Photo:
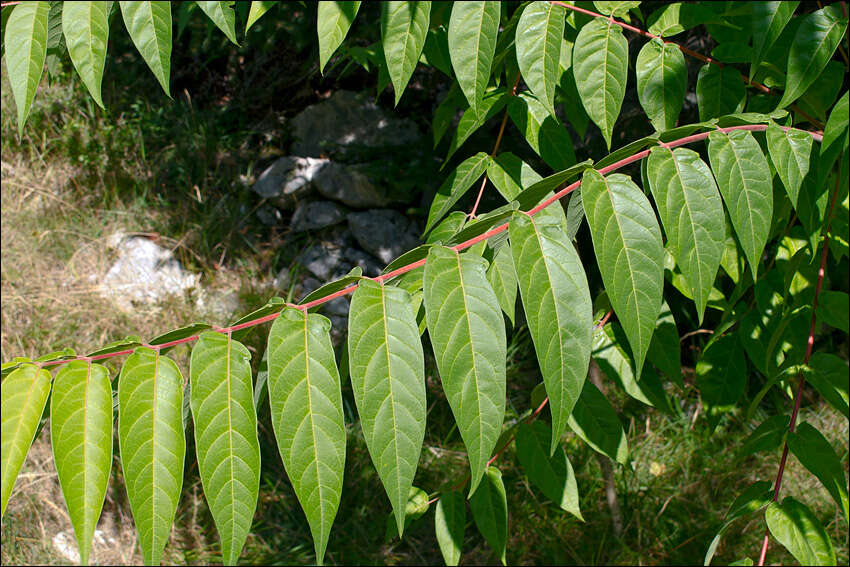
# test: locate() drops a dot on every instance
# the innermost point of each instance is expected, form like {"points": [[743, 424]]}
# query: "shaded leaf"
{"points": [[455, 186], [816, 453], [473, 28], [546, 135], [540, 31], [149, 26], [449, 525], [720, 91], [829, 378], [754, 498], [489, 507], [721, 374], [662, 79], [404, 26], [553, 475], [502, 277], [768, 436], [664, 350], [769, 19], [595, 421]]}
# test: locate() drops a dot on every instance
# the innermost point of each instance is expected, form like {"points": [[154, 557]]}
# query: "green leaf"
{"points": [[769, 19], [449, 525], [222, 402], [510, 175], [834, 138], [720, 91], [181, 333], [800, 531], [387, 368], [816, 40], [467, 333], [574, 113], [490, 511], [664, 350], [493, 102], [152, 444], [81, 435], [149, 25], [435, 52], [25, 43], [24, 395], [768, 436], [662, 79], [721, 374], [404, 26], [258, 10], [334, 20], [540, 32], [531, 197], [672, 19], [691, 212], [754, 498], [502, 276], [816, 454], [553, 475], [86, 29], [223, 15], [615, 9], [627, 242], [556, 299], [790, 151], [829, 378], [595, 421], [744, 178], [600, 66], [416, 507], [473, 28], [546, 135], [305, 397], [455, 185]]}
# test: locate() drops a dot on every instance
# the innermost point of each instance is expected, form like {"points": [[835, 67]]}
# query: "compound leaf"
{"points": [[86, 29], [81, 435], [467, 332], [600, 66], [334, 20], [149, 26], [404, 26], [25, 41], [557, 304], [630, 254], [305, 397], [24, 395], [387, 367], [691, 212], [222, 402], [538, 49], [152, 444], [473, 27], [743, 176], [662, 79]]}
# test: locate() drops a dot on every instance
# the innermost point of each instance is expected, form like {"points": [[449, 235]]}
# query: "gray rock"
{"points": [[349, 118], [349, 186], [385, 233], [316, 215], [288, 180], [321, 260], [269, 215], [144, 273], [218, 304], [370, 266], [282, 281]]}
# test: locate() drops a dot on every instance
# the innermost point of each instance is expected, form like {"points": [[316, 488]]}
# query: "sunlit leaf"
{"points": [[553, 475], [86, 29], [223, 15], [538, 49], [794, 525], [25, 41], [258, 10], [473, 28], [662, 79], [149, 25], [404, 26], [334, 20]]}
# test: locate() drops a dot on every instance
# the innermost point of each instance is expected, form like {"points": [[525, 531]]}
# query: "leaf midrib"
{"points": [[391, 395], [312, 422]]}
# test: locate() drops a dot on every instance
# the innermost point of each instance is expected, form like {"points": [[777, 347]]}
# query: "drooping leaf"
{"points": [[754, 498], [473, 28], [769, 19], [81, 436], [816, 453], [86, 29], [691, 212], [600, 65], [829, 378], [674, 18], [223, 15], [24, 395], [502, 277], [491, 104], [574, 113], [489, 507], [816, 40], [540, 31], [553, 475], [533, 195], [222, 402], [546, 135], [449, 525], [557, 304], [790, 152], [153, 445], [835, 137], [796, 527], [720, 91], [332, 26], [455, 185], [149, 26], [662, 79], [768, 436], [25, 41], [721, 374], [664, 350], [435, 52], [627, 242], [468, 336], [416, 507], [595, 421], [510, 175], [404, 26], [258, 10], [306, 408], [743, 176], [387, 368]]}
